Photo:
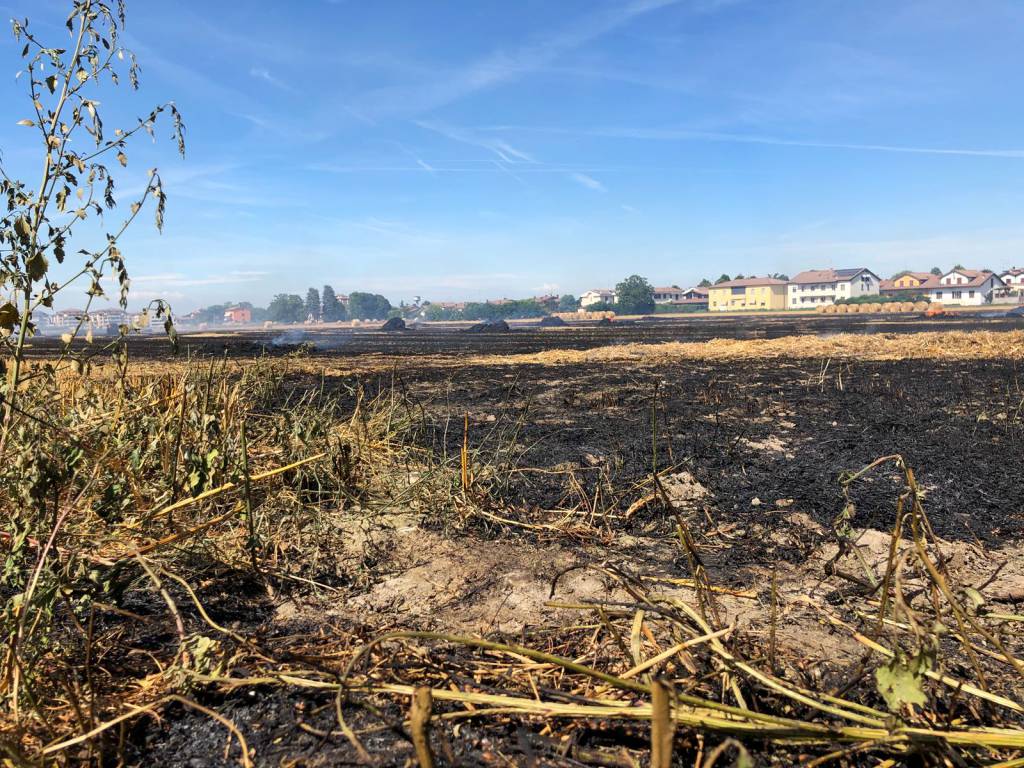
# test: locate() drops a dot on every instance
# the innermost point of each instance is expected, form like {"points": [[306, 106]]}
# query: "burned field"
{"points": [[801, 551]]}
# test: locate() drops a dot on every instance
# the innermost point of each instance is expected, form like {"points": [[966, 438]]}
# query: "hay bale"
{"points": [[495, 326], [873, 308], [923, 306], [829, 309], [821, 308], [842, 309], [552, 321]]}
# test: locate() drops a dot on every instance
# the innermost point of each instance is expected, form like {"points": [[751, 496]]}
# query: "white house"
{"points": [[668, 295], [66, 318], [597, 296], [817, 287], [966, 287], [1014, 279]]}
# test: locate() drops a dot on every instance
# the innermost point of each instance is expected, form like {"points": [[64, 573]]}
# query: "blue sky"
{"points": [[481, 148]]}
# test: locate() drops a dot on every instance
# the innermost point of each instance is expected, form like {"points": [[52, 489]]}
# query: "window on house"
{"points": [[970, 294], [938, 294], [958, 294]]}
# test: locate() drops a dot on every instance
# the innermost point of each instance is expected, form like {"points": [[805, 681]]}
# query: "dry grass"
{"points": [[205, 468]]}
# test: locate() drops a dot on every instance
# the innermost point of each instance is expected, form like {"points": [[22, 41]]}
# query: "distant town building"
{"points": [[967, 288], [695, 293], [749, 293], [549, 301], [667, 295], [692, 298], [237, 315], [1014, 279], [821, 287], [598, 296], [105, 320], [66, 318]]}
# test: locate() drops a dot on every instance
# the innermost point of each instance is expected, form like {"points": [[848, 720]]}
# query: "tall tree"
{"points": [[635, 296], [313, 304], [705, 283], [368, 306], [723, 278], [936, 271], [286, 308], [568, 303], [331, 310]]}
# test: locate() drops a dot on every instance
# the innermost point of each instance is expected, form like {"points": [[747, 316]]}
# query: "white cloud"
{"points": [[262, 73], [504, 151], [588, 181], [168, 280], [502, 66], [683, 134]]}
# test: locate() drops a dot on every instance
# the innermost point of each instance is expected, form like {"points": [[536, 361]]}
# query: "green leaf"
{"points": [[900, 682], [8, 316]]}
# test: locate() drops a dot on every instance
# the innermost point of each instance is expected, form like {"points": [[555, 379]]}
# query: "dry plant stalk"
{"points": [[420, 712]]}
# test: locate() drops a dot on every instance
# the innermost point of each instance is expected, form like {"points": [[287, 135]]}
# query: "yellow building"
{"points": [[911, 280], [749, 293]]}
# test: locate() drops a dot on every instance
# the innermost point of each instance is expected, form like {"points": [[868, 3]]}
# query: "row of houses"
{"points": [[821, 287], [696, 296]]}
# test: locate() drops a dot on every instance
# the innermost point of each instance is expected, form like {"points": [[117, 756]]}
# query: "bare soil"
{"points": [[750, 452]]}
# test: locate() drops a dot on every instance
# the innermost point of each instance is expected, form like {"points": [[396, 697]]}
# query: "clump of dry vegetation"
{"points": [[137, 491]]}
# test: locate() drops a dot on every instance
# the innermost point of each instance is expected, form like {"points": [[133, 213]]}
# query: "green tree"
{"points": [[63, 84], [723, 278], [568, 303], [286, 308], [635, 296], [705, 283], [331, 309], [368, 306], [312, 307], [434, 312], [739, 276], [937, 272], [780, 276], [958, 266]]}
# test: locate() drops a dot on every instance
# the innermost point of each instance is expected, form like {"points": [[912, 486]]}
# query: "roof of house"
{"points": [[931, 281], [750, 282], [602, 291], [698, 289], [828, 275], [923, 276], [978, 278], [668, 289], [1013, 271]]}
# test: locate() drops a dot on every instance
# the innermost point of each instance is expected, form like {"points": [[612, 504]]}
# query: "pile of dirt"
{"points": [[604, 321], [394, 324], [490, 326], [551, 321]]}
